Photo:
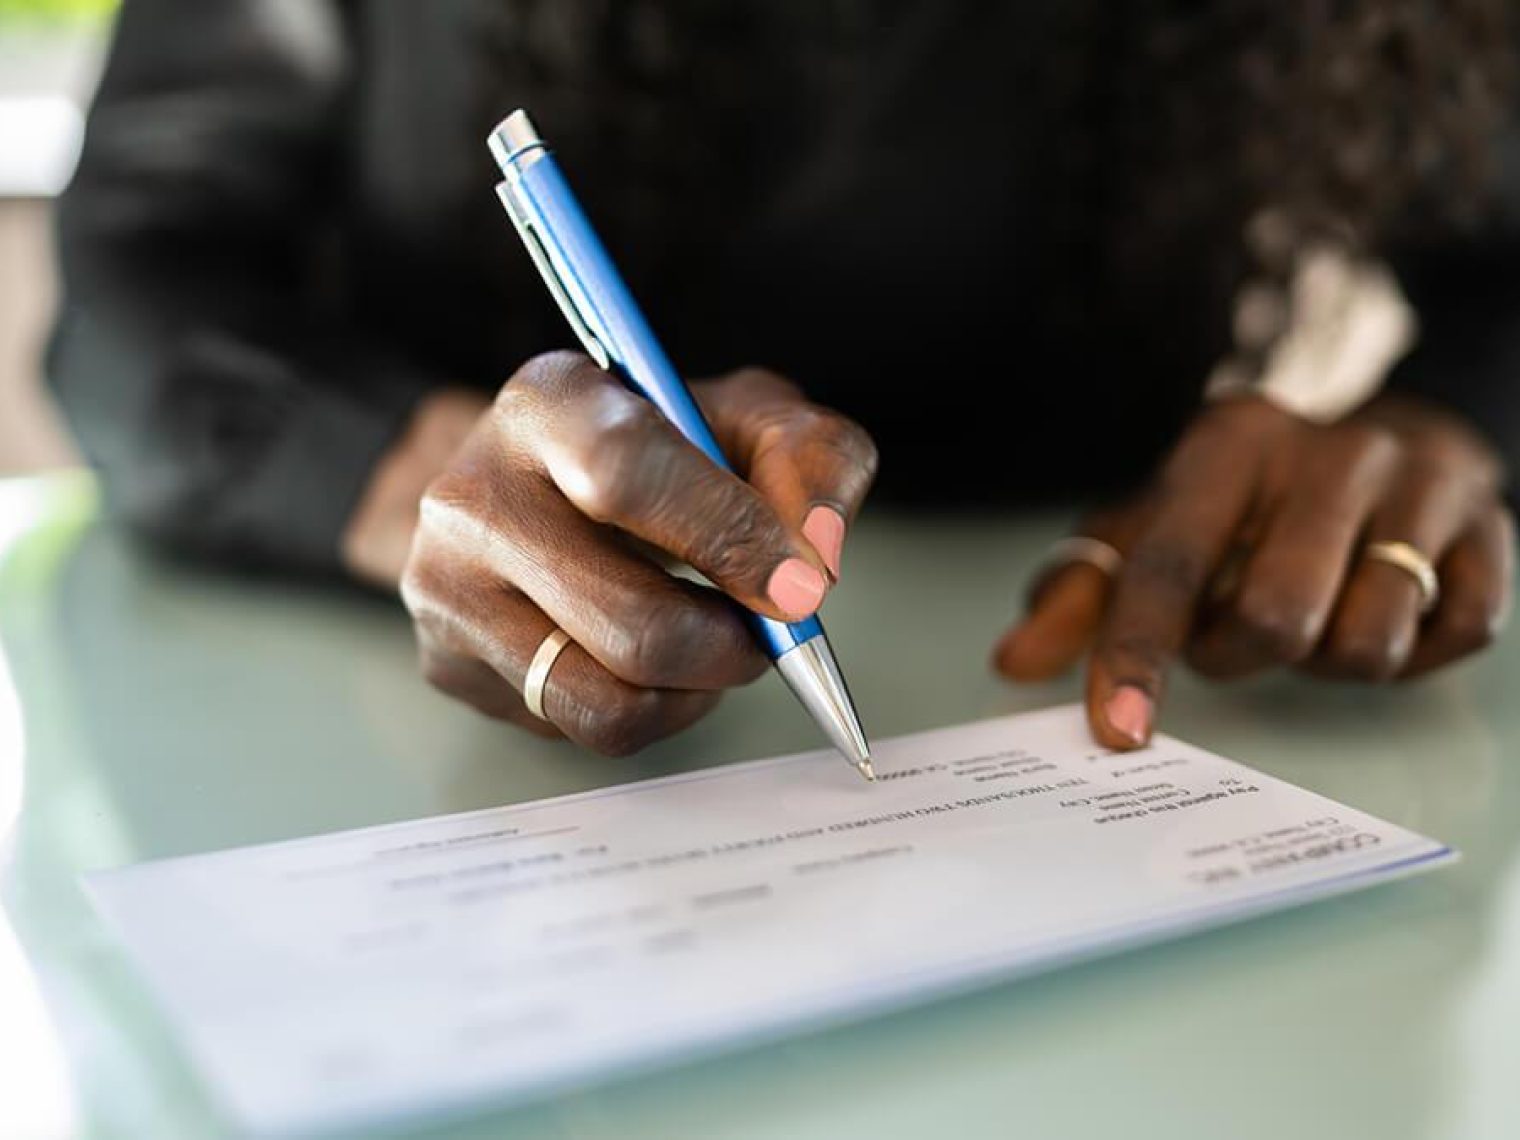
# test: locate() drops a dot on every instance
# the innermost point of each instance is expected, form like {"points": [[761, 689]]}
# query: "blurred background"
{"points": [[50, 54]]}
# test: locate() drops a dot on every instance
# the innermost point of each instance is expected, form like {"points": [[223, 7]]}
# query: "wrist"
{"points": [[378, 535]]}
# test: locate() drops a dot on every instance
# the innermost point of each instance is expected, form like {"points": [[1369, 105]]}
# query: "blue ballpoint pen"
{"points": [[604, 315]]}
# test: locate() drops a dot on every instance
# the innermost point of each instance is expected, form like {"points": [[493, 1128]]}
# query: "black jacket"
{"points": [[283, 230]]}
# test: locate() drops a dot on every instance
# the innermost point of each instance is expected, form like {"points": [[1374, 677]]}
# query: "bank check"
{"points": [[426, 966]]}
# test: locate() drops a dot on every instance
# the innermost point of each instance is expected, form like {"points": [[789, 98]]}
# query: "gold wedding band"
{"points": [[1409, 559], [1093, 552], [547, 653]]}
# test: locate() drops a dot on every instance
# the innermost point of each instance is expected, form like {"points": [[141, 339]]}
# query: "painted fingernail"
{"points": [[825, 530], [796, 588], [1130, 711]]}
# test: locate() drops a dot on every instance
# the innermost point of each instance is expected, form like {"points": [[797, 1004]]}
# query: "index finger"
{"points": [[1204, 498], [813, 465]]}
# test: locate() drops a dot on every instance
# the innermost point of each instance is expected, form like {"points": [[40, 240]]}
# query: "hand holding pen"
{"points": [[530, 599], [589, 289], [528, 531]]}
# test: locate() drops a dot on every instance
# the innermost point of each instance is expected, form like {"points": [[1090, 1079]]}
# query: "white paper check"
{"points": [[501, 954]]}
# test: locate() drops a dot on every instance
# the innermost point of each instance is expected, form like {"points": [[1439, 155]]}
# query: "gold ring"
{"points": [[1409, 559], [547, 653], [1093, 552]]}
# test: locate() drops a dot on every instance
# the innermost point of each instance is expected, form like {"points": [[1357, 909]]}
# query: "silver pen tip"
{"points": [[814, 677]]}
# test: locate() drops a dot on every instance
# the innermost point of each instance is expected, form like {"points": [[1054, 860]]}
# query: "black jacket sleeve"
{"points": [[1466, 291], [203, 354]]}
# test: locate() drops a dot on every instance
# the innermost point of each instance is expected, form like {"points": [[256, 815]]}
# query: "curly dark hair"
{"points": [[1350, 121], [1355, 122]]}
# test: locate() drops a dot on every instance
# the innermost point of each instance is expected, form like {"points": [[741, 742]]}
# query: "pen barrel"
{"points": [[546, 206]]}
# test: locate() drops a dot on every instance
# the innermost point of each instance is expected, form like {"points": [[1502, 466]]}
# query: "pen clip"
{"points": [[594, 347]]}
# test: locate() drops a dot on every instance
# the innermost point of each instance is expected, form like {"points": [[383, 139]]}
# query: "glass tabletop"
{"points": [[149, 709]]}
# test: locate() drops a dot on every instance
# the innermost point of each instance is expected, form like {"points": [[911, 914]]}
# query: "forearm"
{"points": [[230, 418]]}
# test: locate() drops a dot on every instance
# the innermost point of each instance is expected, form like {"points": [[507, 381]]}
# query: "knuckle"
{"points": [[452, 490], [421, 587], [448, 675], [1433, 474], [1243, 419], [549, 373], [468, 681], [1471, 628], [648, 647], [626, 468], [1442, 453], [750, 393], [625, 722], [850, 442], [1285, 626], [438, 670], [516, 400], [1330, 519], [546, 399], [460, 507], [1136, 656], [461, 514], [1225, 436], [1168, 568], [1209, 664], [836, 436], [743, 545], [1368, 443], [1366, 657], [416, 596]]}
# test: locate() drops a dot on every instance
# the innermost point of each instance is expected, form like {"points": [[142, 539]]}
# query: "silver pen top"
{"points": [[510, 137]]}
